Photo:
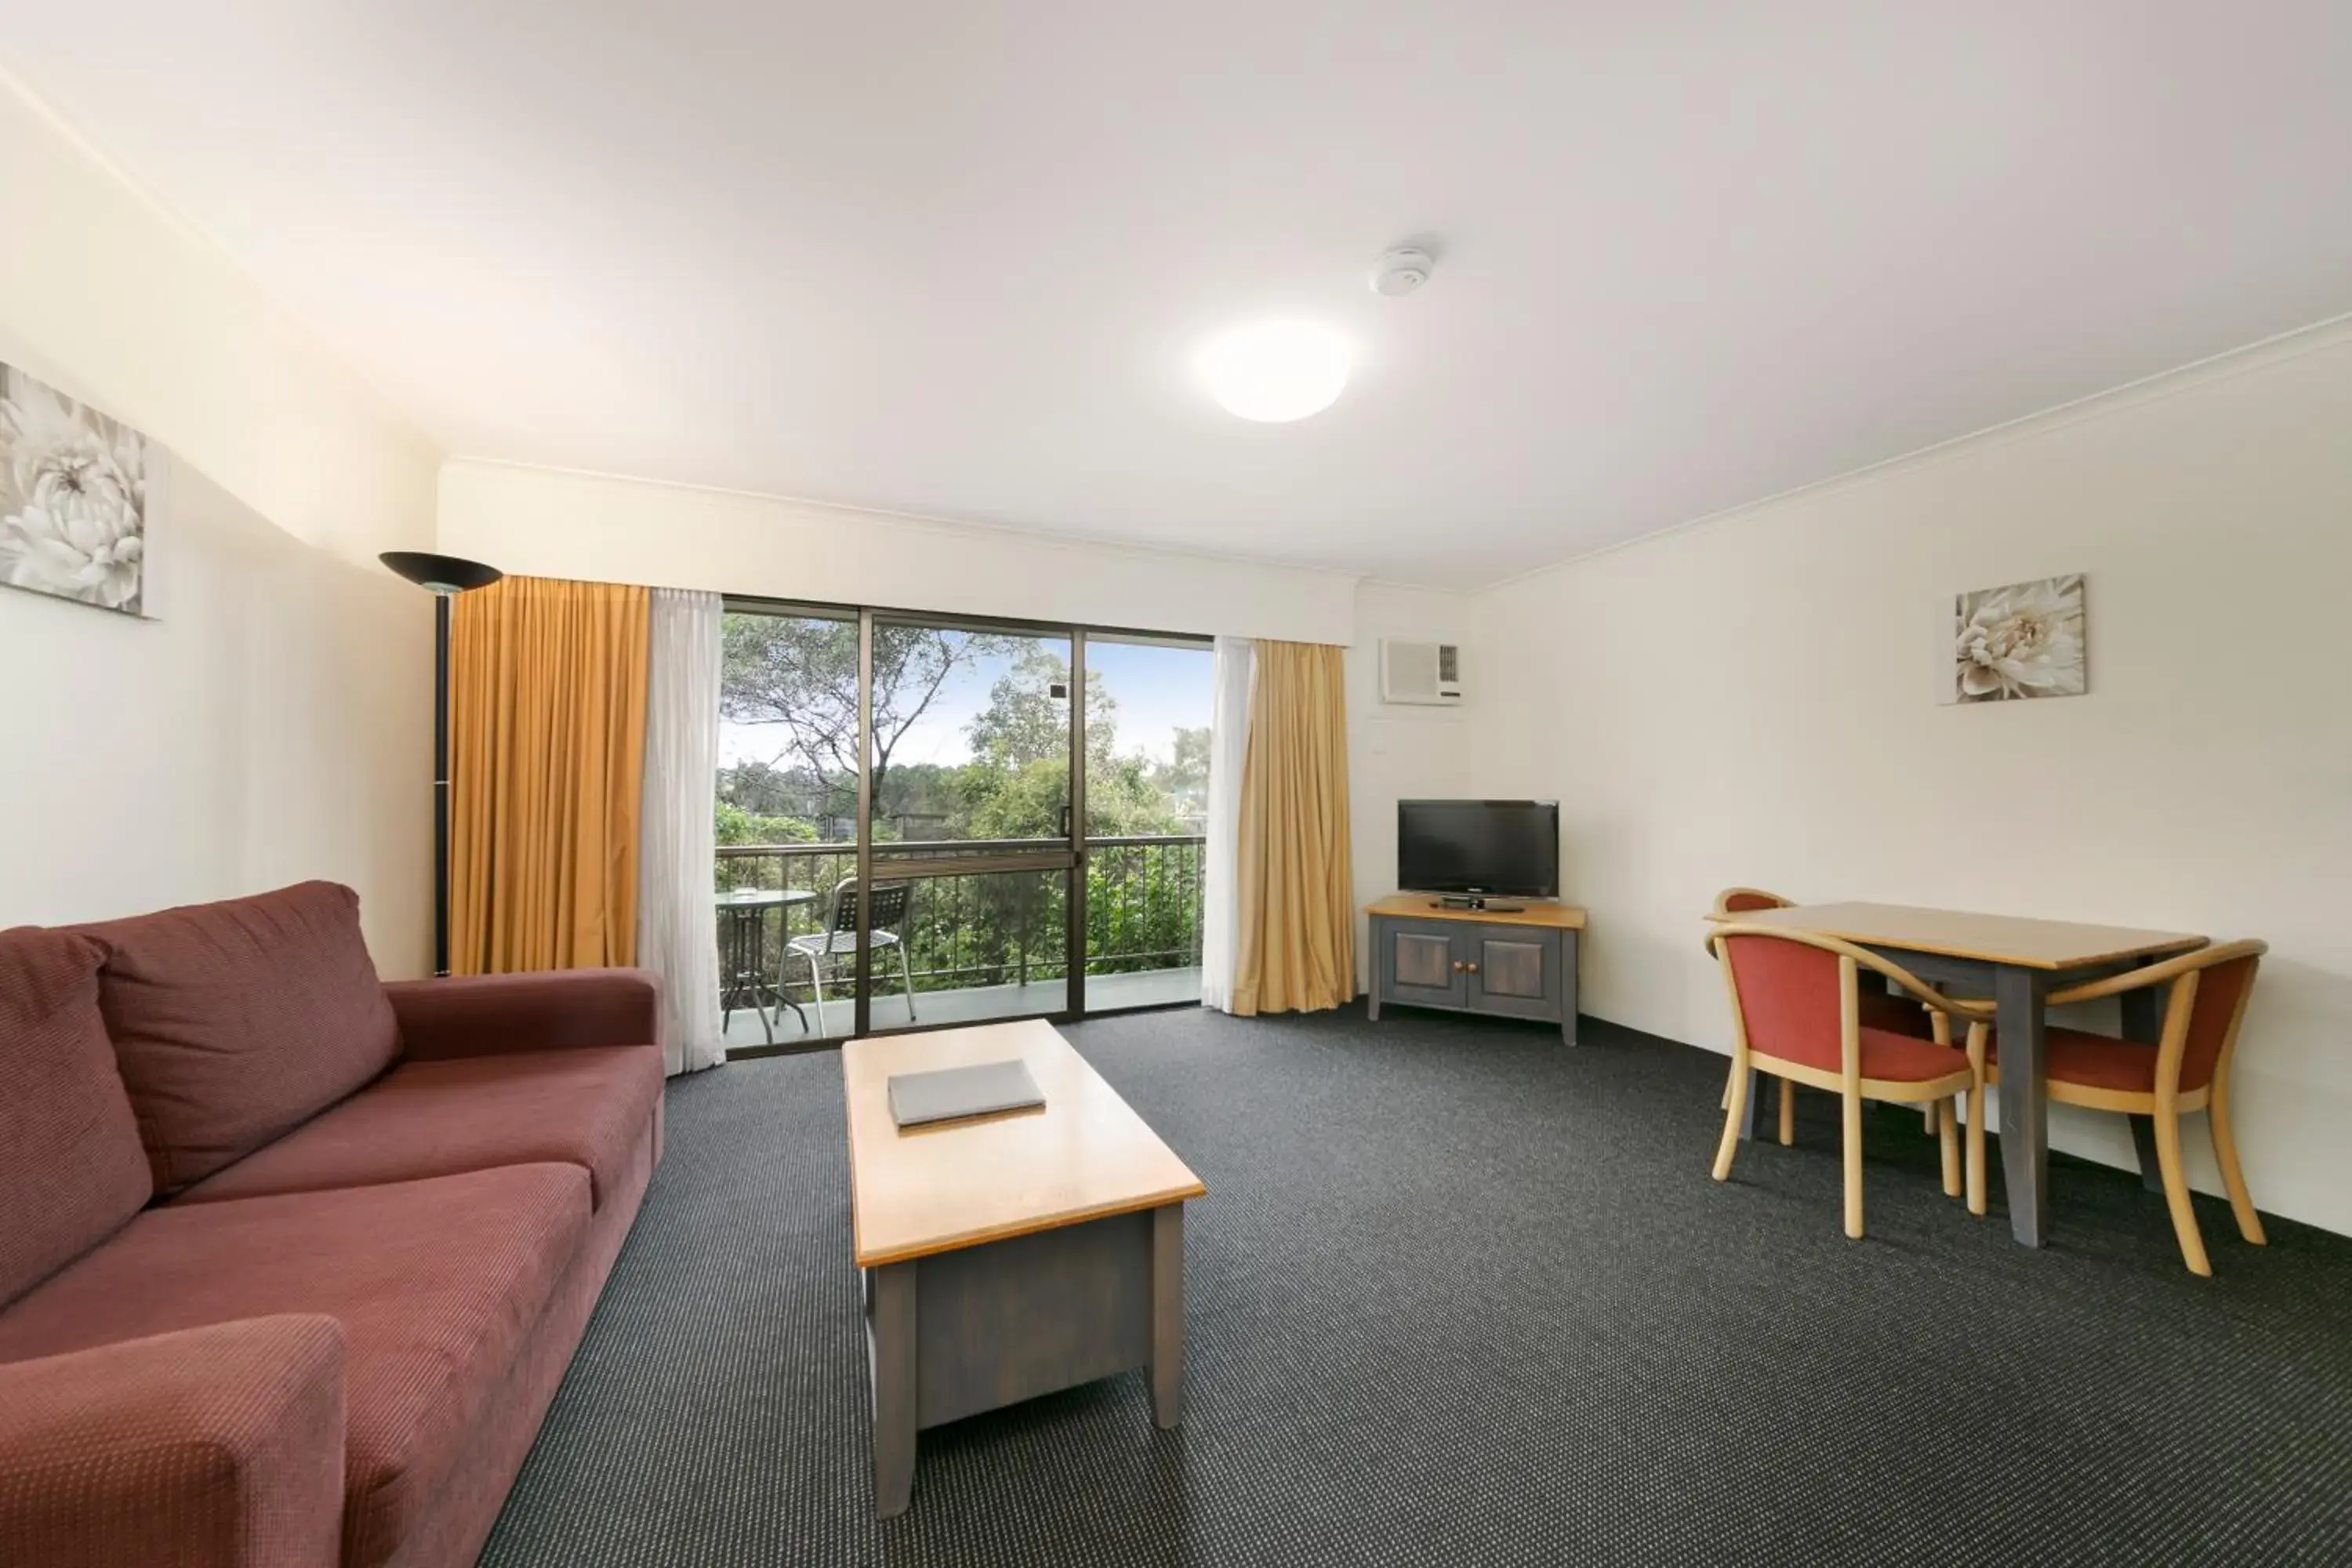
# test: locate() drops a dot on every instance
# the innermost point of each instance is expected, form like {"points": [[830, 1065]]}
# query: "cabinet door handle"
{"points": [[1472, 967], [1459, 967]]}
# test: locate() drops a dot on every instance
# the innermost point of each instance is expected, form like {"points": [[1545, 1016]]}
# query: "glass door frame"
{"points": [[1070, 858], [1066, 857]]}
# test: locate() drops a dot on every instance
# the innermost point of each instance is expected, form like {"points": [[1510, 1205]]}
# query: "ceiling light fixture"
{"points": [[1273, 372]]}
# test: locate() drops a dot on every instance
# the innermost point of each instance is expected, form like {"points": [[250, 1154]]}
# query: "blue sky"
{"points": [[1159, 691]]}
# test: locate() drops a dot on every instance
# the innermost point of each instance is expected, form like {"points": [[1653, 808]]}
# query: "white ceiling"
{"points": [[953, 258]]}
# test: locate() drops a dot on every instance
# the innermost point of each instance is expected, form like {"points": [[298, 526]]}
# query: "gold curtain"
{"points": [[1298, 919], [547, 753]]}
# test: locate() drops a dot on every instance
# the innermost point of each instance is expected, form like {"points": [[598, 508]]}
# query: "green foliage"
{"points": [[1024, 722], [737, 825], [1188, 770], [801, 672]]}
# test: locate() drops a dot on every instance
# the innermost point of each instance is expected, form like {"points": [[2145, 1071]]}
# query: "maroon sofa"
{"points": [[291, 1261]]}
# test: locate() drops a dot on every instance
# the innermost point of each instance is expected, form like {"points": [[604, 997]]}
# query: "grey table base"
{"points": [[955, 1334], [2018, 994]]}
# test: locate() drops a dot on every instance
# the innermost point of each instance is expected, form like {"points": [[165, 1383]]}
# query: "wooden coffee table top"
{"points": [[933, 1189]]}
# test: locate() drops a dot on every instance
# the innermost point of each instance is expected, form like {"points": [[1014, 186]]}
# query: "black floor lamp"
{"points": [[445, 577]]}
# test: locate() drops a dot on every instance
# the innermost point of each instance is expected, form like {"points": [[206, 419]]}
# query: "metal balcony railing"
{"points": [[988, 928]]}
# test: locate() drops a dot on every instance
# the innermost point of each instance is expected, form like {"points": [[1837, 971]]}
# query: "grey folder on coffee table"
{"points": [[950, 1094]]}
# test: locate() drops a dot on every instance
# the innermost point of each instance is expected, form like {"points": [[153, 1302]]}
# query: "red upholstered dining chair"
{"points": [[1881, 1010], [2188, 1069], [1744, 901], [1796, 1013]]}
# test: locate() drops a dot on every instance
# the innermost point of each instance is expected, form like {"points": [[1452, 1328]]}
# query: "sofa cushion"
{"points": [[586, 1107], [71, 1169], [234, 1023], [438, 1285]]}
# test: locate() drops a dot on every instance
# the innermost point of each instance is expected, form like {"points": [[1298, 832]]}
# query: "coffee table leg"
{"points": [[1168, 1315], [892, 1326]]}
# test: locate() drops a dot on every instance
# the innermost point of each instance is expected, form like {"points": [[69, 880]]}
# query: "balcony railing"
{"points": [[989, 927]]}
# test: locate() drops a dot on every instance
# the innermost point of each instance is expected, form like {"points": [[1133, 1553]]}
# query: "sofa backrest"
{"points": [[234, 1023], [71, 1169]]}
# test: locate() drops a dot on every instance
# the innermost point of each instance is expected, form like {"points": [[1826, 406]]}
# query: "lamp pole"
{"points": [[445, 577]]}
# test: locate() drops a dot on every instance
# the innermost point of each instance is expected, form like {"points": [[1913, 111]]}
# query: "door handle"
{"points": [[1472, 968], [1459, 967]]}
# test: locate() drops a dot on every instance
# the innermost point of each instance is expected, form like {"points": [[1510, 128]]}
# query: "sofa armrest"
{"points": [[212, 1447], [560, 1009]]}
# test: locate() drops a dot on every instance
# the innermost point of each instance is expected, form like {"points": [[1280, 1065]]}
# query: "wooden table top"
{"points": [[951, 1184], [1535, 912], [1992, 938]]}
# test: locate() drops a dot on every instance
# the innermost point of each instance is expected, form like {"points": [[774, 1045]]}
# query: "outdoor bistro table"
{"points": [[746, 979]]}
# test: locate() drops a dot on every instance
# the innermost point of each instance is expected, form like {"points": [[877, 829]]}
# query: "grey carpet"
{"points": [[1459, 1296]]}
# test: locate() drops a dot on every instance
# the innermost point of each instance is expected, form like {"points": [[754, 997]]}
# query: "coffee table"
{"points": [[1008, 1256]]}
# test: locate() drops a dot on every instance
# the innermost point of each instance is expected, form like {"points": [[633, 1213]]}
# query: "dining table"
{"points": [[744, 978], [2016, 962]]}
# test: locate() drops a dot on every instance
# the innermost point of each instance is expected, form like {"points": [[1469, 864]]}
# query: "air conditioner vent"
{"points": [[1429, 673]]}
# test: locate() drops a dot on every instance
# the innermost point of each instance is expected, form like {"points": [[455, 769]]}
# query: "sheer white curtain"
{"points": [[1228, 744], [678, 930]]}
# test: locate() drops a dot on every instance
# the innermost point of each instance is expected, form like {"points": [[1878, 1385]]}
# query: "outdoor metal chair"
{"points": [[892, 903]]}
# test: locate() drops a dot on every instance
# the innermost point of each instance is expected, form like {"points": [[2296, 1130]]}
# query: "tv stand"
{"points": [[1467, 955]]}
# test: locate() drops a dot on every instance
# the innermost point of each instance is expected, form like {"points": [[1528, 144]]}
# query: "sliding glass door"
{"points": [[1149, 704], [786, 820], [970, 825], [904, 841]]}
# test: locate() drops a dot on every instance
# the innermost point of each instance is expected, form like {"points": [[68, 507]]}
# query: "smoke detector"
{"points": [[1400, 271]]}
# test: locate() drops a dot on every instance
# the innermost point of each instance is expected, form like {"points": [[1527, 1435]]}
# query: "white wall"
{"points": [[1752, 700], [551, 523], [274, 722], [1396, 751]]}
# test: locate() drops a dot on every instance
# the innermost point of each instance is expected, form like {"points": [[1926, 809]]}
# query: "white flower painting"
{"points": [[2023, 640], [73, 498]]}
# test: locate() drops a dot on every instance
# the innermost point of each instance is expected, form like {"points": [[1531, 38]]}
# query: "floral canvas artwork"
{"points": [[73, 498], [2022, 640]]}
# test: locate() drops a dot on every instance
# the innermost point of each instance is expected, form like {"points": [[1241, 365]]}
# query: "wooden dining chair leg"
{"points": [[1788, 1112], [2176, 1190], [1942, 1027], [1977, 1150], [1852, 1117], [2225, 1155], [1735, 1105], [1947, 1135]]}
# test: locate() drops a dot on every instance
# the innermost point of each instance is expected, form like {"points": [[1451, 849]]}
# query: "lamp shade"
{"points": [[440, 574]]}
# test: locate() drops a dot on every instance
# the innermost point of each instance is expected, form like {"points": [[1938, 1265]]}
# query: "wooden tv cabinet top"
{"points": [[1532, 912]]}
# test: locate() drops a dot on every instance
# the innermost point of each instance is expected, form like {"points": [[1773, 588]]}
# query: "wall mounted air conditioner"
{"points": [[1423, 672]]}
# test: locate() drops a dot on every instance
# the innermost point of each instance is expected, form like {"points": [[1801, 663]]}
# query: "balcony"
{"points": [[992, 944]]}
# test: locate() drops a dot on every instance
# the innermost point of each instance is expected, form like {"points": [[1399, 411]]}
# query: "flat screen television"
{"points": [[1509, 847]]}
